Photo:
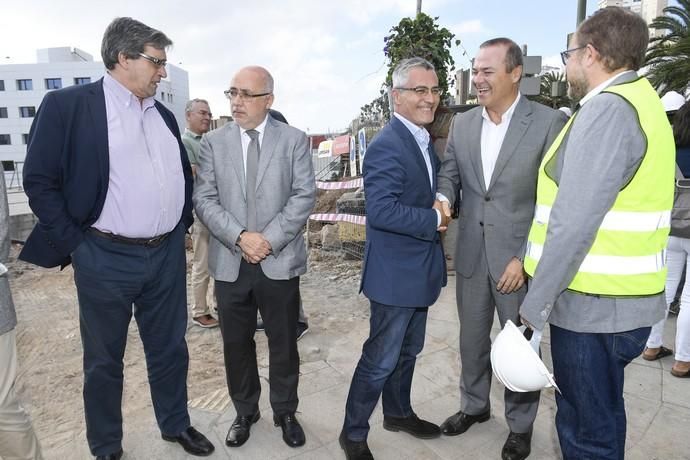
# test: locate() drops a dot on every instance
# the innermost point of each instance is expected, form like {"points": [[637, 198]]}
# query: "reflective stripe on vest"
{"points": [[612, 265], [619, 220], [627, 256]]}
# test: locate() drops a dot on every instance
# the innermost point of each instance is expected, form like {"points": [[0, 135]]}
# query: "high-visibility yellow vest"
{"points": [[627, 257]]}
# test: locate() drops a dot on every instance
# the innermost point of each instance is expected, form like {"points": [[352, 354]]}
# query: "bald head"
{"points": [[252, 87]]}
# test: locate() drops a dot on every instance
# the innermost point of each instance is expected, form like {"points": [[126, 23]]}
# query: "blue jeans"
{"points": [[589, 370], [386, 367]]}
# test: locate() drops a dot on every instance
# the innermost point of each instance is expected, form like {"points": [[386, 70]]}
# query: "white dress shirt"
{"points": [[246, 140], [492, 139]]}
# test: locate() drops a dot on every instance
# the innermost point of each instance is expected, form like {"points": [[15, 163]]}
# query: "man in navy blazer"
{"points": [[404, 266], [107, 176]]}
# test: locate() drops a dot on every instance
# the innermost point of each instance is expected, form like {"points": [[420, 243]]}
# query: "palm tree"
{"points": [[668, 56], [545, 96]]}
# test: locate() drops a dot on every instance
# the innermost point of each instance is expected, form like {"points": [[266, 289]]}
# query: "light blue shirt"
{"points": [[421, 135]]}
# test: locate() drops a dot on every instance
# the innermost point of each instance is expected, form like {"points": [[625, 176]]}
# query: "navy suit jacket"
{"points": [[67, 169], [404, 265]]}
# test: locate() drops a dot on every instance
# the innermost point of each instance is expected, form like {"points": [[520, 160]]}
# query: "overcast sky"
{"points": [[326, 57]]}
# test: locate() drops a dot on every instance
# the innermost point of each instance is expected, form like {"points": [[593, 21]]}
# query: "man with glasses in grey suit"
{"points": [[254, 191]]}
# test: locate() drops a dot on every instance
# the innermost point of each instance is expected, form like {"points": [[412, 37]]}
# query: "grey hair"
{"points": [[129, 37], [191, 102], [401, 73]]}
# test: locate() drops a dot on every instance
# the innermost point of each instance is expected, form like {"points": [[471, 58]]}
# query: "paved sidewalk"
{"points": [[658, 408]]}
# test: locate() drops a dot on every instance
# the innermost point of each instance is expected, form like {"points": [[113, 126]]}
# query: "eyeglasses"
{"points": [[243, 94], [204, 113], [565, 55], [154, 60], [422, 90]]}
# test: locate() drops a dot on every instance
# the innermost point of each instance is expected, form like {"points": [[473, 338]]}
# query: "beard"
{"points": [[577, 88]]}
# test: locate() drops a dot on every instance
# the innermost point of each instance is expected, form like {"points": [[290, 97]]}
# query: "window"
{"points": [[2, 85], [53, 83], [27, 112], [163, 96], [3, 112], [25, 139], [25, 85], [5, 139], [82, 80], [170, 97]]}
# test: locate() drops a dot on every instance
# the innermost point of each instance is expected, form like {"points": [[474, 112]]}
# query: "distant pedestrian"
{"points": [[198, 115], [677, 257]]}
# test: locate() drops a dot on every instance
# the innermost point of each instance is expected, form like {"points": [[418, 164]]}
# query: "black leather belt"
{"points": [[148, 242]]}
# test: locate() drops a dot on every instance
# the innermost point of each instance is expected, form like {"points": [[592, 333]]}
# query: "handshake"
{"points": [[444, 209]]}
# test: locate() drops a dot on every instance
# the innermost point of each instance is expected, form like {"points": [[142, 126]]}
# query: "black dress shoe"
{"points": [[193, 442], [459, 422], [355, 450], [239, 430], [413, 425], [293, 434], [116, 456], [517, 446]]}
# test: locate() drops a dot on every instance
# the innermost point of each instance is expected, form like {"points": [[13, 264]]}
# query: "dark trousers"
{"points": [[110, 278], [278, 303], [589, 370], [396, 337]]}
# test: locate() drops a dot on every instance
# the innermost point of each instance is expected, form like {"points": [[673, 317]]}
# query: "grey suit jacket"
{"points": [[8, 317], [496, 217], [285, 195]]}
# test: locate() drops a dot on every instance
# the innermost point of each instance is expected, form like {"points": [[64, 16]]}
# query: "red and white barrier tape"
{"points": [[354, 183], [332, 217]]}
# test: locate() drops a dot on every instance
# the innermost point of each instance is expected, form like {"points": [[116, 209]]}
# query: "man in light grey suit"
{"points": [[255, 189], [494, 153]]}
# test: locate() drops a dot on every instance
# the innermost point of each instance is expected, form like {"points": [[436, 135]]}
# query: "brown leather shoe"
{"points": [[206, 321], [681, 371]]}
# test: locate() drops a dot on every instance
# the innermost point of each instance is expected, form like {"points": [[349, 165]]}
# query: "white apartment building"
{"points": [[648, 9], [22, 87]]}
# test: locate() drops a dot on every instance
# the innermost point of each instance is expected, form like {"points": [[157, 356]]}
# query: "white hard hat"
{"points": [[672, 101], [516, 363]]}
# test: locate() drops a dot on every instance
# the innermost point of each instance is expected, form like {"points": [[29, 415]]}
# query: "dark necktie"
{"points": [[252, 166]]}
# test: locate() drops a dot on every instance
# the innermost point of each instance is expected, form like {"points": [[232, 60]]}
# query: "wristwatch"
{"points": [[239, 238]]}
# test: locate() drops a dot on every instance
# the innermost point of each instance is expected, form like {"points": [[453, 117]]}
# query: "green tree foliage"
{"points": [[421, 37], [376, 113], [669, 55]]}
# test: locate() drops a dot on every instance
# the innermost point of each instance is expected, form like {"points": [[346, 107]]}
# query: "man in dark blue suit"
{"points": [[107, 176], [404, 266]]}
